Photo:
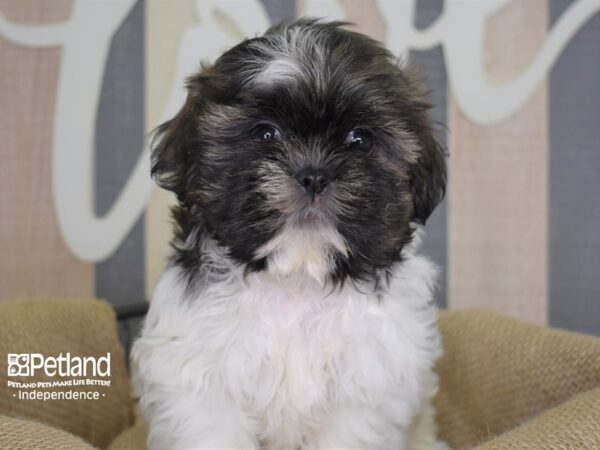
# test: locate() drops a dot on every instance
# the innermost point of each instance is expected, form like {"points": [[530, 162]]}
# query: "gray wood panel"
{"points": [[119, 142], [574, 266], [432, 66]]}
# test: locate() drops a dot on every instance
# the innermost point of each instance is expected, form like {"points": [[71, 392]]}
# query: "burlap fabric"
{"points": [[503, 384], [133, 438], [20, 434], [498, 373], [574, 425], [83, 328]]}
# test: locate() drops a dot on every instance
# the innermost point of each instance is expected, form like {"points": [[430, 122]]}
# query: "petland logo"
{"points": [[30, 364]]}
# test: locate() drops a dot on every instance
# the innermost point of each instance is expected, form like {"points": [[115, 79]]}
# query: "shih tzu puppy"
{"points": [[295, 312]]}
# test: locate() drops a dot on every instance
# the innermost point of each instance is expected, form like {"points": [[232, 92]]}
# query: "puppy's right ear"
{"points": [[172, 143]]}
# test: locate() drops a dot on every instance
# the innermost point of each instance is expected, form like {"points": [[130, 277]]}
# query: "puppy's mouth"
{"points": [[311, 215], [299, 208], [312, 210], [308, 238]]}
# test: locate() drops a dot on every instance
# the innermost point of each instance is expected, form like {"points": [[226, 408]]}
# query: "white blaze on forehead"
{"points": [[278, 70], [303, 249], [297, 53]]}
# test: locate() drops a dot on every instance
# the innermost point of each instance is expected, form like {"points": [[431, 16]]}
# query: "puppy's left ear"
{"points": [[172, 144], [428, 181]]}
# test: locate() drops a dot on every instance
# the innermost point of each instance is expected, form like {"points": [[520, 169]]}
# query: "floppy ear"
{"points": [[172, 144], [428, 183]]}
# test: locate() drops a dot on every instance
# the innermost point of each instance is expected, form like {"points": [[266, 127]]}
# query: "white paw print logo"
{"points": [[18, 364]]}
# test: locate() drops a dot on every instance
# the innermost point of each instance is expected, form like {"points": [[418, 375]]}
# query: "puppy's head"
{"points": [[306, 149]]}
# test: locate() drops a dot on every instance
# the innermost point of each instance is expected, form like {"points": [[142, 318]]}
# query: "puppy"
{"points": [[295, 312]]}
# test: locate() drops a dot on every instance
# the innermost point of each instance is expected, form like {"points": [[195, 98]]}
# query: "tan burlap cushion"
{"points": [[133, 438], [497, 373], [83, 328], [574, 425], [21, 434]]}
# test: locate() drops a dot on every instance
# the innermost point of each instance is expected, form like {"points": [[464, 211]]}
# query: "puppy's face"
{"points": [[306, 149]]}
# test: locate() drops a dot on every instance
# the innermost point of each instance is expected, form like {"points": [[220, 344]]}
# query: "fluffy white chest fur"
{"points": [[272, 362]]}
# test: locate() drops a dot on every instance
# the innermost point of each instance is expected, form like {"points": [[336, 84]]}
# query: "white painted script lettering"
{"points": [[85, 39]]}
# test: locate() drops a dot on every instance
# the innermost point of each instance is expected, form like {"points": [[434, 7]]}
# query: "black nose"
{"points": [[313, 181]]}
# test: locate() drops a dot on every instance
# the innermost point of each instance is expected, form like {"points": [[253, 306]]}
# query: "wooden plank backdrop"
{"points": [[508, 236], [498, 183], [34, 261], [165, 24]]}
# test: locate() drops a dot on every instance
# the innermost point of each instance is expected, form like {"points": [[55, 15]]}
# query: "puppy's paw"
{"points": [[430, 445]]}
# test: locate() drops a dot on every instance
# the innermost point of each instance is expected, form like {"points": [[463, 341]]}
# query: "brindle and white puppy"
{"points": [[295, 312]]}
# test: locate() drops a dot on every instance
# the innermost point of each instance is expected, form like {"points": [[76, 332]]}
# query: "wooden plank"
{"points": [[34, 260], [574, 180], [498, 192], [367, 17], [165, 24]]}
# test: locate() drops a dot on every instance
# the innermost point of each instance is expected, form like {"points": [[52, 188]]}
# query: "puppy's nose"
{"points": [[313, 181]]}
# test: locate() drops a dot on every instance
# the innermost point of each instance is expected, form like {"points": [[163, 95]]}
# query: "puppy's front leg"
{"points": [[358, 427], [181, 420], [423, 430]]}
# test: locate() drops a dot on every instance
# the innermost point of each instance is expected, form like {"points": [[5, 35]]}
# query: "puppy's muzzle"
{"points": [[313, 181]]}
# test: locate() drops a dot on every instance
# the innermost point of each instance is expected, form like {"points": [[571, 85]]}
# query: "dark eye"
{"points": [[359, 139], [266, 133]]}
